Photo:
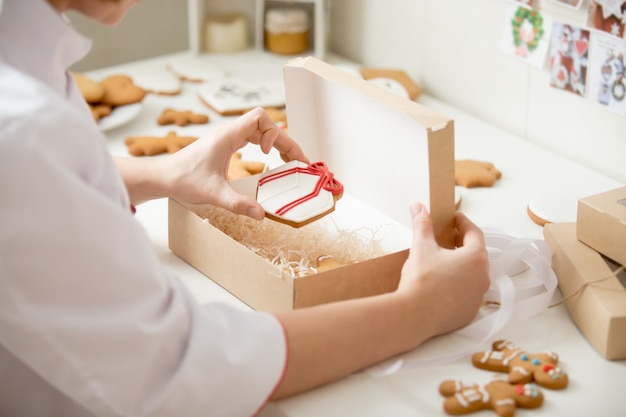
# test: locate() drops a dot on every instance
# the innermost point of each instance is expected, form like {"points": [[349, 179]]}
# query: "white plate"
{"points": [[119, 116]]}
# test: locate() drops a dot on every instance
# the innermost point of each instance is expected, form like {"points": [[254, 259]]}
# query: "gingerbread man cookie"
{"points": [[469, 173], [181, 117], [153, 145], [521, 366], [498, 395], [326, 263], [239, 168]]}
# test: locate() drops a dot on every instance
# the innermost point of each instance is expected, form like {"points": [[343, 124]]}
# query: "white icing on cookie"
{"points": [[520, 370], [197, 68]]}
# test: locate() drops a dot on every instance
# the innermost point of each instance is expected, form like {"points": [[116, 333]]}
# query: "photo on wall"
{"points": [[606, 83], [569, 58], [607, 16], [526, 35]]}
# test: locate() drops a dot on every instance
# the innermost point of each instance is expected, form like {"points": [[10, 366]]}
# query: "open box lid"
{"points": [[387, 150]]}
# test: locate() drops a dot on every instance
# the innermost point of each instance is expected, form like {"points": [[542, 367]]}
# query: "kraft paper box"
{"points": [[387, 151], [601, 223], [599, 308]]}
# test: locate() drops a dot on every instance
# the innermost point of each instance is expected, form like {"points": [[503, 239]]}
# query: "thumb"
{"points": [[241, 204], [422, 223]]}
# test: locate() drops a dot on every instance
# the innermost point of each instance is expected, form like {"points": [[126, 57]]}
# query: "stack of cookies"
{"points": [[112, 91]]}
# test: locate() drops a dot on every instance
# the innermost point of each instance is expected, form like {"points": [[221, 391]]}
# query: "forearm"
{"points": [[331, 341], [145, 178]]}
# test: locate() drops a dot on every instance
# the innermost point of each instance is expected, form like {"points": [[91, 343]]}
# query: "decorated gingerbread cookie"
{"points": [[154, 145], [522, 367], [297, 194], [498, 395], [326, 263]]}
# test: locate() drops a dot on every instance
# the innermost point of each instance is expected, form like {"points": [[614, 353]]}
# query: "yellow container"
{"points": [[287, 31]]}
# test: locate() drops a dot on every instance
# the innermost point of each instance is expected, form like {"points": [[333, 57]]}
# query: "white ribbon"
{"points": [[509, 255]]}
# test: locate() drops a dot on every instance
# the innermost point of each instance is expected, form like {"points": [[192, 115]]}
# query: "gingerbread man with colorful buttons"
{"points": [[522, 367]]}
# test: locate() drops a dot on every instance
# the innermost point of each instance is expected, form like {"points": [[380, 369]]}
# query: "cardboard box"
{"points": [[601, 223], [386, 150], [599, 306]]}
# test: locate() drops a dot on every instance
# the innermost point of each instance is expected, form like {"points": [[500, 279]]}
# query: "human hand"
{"points": [[445, 285], [201, 169]]}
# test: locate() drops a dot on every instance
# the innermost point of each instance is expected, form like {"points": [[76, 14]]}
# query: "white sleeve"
{"points": [[85, 303]]}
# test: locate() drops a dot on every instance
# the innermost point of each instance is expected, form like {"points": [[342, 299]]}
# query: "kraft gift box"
{"points": [[594, 288], [601, 223], [387, 151]]}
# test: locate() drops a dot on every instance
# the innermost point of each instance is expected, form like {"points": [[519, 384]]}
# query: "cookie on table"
{"points": [[155, 145], [556, 206], [120, 90], [277, 115], [497, 395], [91, 90], [239, 168], [181, 117], [155, 79], [412, 89], [237, 95], [99, 110], [470, 173], [522, 367]]}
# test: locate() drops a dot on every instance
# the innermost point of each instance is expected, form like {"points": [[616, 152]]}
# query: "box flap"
{"points": [[388, 151]]}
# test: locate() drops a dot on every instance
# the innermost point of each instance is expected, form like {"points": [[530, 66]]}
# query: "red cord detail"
{"points": [[326, 181]]}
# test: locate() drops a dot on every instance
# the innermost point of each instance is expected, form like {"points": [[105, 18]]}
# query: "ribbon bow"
{"points": [[326, 181]]}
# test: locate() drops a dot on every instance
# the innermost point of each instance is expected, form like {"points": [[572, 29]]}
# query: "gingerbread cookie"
{"points": [[555, 206], [413, 90], [239, 168], [181, 117], [120, 90], [521, 366], [99, 111], [326, 263], [498, 395], [91, 90], [469, 173], [297, 194], [151, 145]]}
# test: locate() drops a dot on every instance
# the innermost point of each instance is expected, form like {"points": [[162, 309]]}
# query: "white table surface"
{"points": [[595, 384]]}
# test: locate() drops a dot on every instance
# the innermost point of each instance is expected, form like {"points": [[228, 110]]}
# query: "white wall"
{"points": [[153, 27], [451, 48]]}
